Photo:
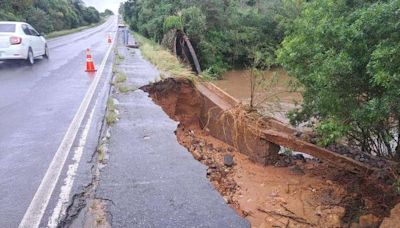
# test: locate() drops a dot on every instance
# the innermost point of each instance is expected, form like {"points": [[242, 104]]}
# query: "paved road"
{"points": [[150, 180], [37, 105]]}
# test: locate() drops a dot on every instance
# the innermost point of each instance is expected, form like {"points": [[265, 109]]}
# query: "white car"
{"points": [[19, 40]]}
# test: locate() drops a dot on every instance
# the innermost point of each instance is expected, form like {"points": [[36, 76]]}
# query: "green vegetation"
{"points": [[226, 34], [119, 58], [101, 150], [122, 88], [51, 15], [70, 31], [106, 13], [111, 115], [120, 77], [162, 58], [346, 54], [111, 105]]}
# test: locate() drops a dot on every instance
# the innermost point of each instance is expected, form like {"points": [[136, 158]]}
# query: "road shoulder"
{"points": [[148, 178]]}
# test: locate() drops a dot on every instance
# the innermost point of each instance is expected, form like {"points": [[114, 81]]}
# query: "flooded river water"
{"points": [[275, 95]]}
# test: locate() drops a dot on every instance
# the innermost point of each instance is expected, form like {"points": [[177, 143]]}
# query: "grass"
{"points": [[119, 59], [111, 105], [111, 116], [120, 77], [124, 88], [119, 82], [101, 150], [74, 30], [163, 59], [114, 69]]}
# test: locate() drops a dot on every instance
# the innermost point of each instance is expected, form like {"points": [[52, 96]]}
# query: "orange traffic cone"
{"points": [[109, 39], [89, 62]]}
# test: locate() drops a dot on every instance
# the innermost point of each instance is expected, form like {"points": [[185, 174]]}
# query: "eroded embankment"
{"points": [[298, 193]]}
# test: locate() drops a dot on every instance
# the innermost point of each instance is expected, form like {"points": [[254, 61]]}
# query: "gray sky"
{"points": [[101, 5]]}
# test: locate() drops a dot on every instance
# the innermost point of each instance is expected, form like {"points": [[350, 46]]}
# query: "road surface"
{"points": [[37, 106], [149, 179]]}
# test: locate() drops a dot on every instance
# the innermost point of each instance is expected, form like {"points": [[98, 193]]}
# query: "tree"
{"points": [[91, 15], [224, 33], [107, 13], [40, 20], [49, 15], [346, 55]]}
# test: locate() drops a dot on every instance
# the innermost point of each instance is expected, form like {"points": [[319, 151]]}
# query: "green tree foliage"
{"points": [[224, 33], [107, 13], [173, 22], [49, 15], [347, 56]]}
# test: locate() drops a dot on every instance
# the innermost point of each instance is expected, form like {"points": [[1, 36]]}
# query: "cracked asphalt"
{"points": [[151, 180]]}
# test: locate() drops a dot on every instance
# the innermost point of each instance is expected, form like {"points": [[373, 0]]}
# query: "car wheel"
{"points": [[30, 59], [46, 52]]}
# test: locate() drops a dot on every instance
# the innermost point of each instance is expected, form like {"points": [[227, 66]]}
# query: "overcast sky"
{"points": [[101, 5]]}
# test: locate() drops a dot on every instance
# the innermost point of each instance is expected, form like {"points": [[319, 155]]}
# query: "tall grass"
{"points": [[163, 59]]}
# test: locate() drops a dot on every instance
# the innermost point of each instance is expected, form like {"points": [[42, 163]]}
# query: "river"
{"points": [[274, 96]]}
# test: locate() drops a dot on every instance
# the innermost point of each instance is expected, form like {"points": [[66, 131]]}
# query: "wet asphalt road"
{"points": [[37, 104], [149, 179]]}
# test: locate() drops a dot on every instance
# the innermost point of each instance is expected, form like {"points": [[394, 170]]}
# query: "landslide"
{"points": [[294, 192]]}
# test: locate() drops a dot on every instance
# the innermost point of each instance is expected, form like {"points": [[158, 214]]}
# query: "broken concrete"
{"points": [[151, 180], [182, 102], [225, 119]]}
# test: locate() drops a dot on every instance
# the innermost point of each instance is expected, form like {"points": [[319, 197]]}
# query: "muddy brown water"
{"points": [[277, 87], [275, 96]]}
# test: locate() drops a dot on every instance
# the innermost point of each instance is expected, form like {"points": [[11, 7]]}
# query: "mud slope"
{"points": [[294, 192]]}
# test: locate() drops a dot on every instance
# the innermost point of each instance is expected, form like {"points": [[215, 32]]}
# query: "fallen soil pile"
{"points": [[299, 193]]}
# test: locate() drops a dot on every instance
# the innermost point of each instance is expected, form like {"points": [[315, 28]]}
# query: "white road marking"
{"points": [[61, 207], [38, 205]]}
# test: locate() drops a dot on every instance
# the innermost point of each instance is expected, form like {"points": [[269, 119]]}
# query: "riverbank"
{"points": [[294, 191]]}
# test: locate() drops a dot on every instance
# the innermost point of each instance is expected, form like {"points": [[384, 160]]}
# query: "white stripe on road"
{"points": [[61, 207], [37, 207]]}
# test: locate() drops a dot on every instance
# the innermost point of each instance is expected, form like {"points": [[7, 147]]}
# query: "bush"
{"points": [[347, 56], [173, 22], [49, 15], [223, 33]]}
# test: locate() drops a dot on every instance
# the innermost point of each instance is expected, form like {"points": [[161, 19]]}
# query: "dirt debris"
{"points": [[394, 219], [296, 192], [97, 215], [266, 196]]}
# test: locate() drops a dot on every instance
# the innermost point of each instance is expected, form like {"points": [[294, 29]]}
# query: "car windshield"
{"points": [[7, 27]]}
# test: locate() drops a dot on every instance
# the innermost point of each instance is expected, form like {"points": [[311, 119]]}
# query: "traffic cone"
{"points": [[89, 62]]}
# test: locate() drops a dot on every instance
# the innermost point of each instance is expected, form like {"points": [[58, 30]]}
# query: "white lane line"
{"points": [[37, 207], [61, 207]]}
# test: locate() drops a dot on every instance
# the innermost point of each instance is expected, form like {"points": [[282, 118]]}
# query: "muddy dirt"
{"points": [[266, 196], [301, 193], [280, 98]]}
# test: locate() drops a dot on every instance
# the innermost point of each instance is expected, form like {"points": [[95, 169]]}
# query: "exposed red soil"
{"points": [[304, 193]]}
